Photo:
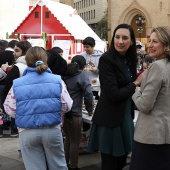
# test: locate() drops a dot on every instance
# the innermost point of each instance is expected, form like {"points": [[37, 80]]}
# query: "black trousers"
{"points": [[110, 162]]}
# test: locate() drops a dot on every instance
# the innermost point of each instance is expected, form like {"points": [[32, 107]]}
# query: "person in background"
{"points": [[151, 148], [38, 112], [140, 55], [3, 45], [6, 59], [138, 46], [92, 59], [58, 50], [146, 63], [8, 54], [113, 127], [79, 87], [15, 72]]}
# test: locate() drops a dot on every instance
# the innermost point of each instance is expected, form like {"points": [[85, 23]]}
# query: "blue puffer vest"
{"points": [[38, 100]]}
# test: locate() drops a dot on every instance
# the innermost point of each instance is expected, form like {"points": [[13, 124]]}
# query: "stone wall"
{"points": [[157, 13]]}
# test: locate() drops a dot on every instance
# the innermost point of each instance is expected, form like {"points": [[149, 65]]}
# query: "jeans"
{"points": [[42, 147], [72, 131]]}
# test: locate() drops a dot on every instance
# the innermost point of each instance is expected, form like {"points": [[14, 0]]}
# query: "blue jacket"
{"points": [[38, 100]]}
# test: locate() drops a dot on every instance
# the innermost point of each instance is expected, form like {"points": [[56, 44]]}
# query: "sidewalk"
{"points": [[10, 160]]}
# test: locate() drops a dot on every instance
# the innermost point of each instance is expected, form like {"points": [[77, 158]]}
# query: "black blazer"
{"points": [[115, 90]]}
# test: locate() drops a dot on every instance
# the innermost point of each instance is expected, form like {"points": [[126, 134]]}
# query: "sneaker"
{"points": [[14, 134]]}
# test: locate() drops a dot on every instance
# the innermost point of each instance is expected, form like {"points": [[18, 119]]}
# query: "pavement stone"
{"points": [[10, 160]]}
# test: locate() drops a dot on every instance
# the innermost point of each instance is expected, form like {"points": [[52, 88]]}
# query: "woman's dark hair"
{"points": [[131, 54], [78, 62], [3, 45], [12, 43], [24, 46], [57, 50]]}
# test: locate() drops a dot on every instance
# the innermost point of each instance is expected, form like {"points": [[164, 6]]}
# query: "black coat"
{"points": [[6, 56], [56, 63], [115, 90]]}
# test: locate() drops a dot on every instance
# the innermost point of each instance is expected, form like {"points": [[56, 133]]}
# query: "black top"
{"points": [[115, 90], [56, 63], [12, 75], [6, 56]]}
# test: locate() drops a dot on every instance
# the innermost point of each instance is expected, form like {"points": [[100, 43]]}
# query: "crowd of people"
{"points": [[42, 96]]}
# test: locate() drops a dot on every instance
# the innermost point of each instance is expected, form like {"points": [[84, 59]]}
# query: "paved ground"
{"points": [[10, 160]]}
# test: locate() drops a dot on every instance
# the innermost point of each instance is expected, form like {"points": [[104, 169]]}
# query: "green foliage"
{"points": [[7, 35], [44, 36], [102, 26], [18, 37]]}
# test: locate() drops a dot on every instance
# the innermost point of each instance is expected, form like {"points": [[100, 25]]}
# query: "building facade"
{"points": [[156, 13], [91, 11]]}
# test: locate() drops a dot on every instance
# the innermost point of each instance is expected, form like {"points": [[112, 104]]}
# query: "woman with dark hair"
{"points": [[19, 66], [79, 87], [58, 50], [113, 128], [15, 72]]}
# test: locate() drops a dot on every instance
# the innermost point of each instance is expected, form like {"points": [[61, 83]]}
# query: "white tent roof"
{"points": [[69, 18]]}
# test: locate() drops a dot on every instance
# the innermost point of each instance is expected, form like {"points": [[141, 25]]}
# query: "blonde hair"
{"points": [[35, 54], [163, 34]]}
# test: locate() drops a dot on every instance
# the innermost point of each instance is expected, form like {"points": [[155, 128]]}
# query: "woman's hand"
{"points": [[4, 66], [90, 113], [93, 81], [137, 89], [94, 69]]}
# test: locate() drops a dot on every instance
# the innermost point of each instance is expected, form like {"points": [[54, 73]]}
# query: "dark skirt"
{"points": [[150, 157], [116, 141]]}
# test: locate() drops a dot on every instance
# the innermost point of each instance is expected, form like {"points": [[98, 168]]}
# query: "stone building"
{"points": [[156, 13], [91, 11]]}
